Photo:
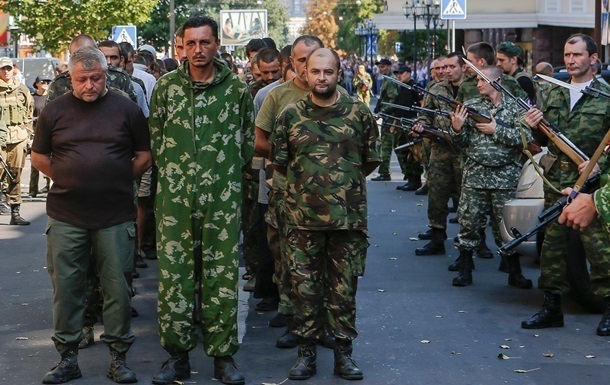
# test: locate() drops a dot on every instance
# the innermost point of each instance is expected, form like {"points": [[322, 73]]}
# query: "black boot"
{"points": [[483, 251], [288, 340], [603, 329], [118, 371], [550, 316], [66, 370], [176, 368], [327, 340], [345, 367], [4, 207], [455, 265], [464, 277], [436, 246], [16, 219], [226, 371], [515, 275], [427, 235], [306, 363]]}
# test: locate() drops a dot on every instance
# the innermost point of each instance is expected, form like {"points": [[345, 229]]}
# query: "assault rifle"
{"points": [[430, 132], [560, 140], [588, 90], [6, 169], [418, 109], [409, 144], [476, 116]]}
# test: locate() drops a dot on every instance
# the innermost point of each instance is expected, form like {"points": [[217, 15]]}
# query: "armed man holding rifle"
{"points": [[584, 120]]}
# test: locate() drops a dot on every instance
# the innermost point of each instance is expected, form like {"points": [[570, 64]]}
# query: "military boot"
{"points": [[66, 370], [465, 263], [16, 219], [436, 246], [226, 371], [515, 275], [345, 367], [4, 207], [88, 339], [483, 251], [550, 316], [427, 235], [603, 329], [176, 368], [455, 265], [118, 370], [306, 363]]}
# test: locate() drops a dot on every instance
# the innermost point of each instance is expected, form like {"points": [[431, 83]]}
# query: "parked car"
{"points": [[521, 213], [32, 67]]}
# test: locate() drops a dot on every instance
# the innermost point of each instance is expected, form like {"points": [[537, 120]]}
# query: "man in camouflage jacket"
{"points": [[491, 171], [584, 120], [326, 144], [202, 135]]}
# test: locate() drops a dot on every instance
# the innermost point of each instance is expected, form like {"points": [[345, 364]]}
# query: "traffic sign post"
{"points": [[125, 33], [453, 9]]}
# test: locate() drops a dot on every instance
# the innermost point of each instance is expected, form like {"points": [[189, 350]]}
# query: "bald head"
{"points": [[544, 68], [81, 41], [325, 53]]}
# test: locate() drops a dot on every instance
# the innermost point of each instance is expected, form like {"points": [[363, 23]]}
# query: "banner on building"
{"points": [[3, 29], [238, 27]]}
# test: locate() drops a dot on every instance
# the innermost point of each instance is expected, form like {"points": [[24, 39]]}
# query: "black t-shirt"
{"points": [[408, 98], [92, 145], [527, 84]]}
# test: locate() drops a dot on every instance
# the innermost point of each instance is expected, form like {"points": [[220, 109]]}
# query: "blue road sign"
{"points": [[128, 33], [453, 9], [371, 45]]}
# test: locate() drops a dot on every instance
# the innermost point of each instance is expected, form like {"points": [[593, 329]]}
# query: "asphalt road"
{"points": [[415, 328]]}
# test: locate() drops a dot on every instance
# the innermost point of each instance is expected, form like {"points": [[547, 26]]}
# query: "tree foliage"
{"points": [[349, 14], [53, 23], [321, 22]]}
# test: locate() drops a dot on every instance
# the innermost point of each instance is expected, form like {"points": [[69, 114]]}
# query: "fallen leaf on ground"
{"points": [[22, 338], [505, 346], [414, 239], [425, 341], [589, 356], [381, 290], [393, 258], [525, 370], [550, 355]]}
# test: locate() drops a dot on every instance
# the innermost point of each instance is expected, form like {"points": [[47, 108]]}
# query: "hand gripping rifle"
{"points": [[584, 184], [472, 113], [6, 169], [560, 140]]}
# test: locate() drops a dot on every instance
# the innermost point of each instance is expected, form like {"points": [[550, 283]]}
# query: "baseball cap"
{"points": [[511, 49], [403, 68], [148, 48], [41, 79], [6, 62], [386, 62]]}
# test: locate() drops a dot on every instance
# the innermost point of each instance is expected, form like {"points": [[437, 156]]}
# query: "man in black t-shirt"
{"points": [[93, 144], [510, 59]]}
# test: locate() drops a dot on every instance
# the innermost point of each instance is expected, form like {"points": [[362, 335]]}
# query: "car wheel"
{"points": [[578, 276]]}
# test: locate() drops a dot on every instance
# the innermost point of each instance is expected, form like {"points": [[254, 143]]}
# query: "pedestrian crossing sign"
{"points": [[125, 33], [453, 9]]}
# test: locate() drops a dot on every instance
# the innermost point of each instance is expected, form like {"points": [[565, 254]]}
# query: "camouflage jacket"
{"points": [[202, 136], [602, 201], [115, 78], [468, 88], [387, 94], [17, 112], [362, 80], [585, 126], [324, 150], [492, 161], [437, 120]]}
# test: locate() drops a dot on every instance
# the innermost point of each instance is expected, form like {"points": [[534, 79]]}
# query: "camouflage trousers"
{"points": [[444, 181], [276, 238], [250, 223], [325, 270], [189, 248], [472, 213], [14, 156], [553, 270], [389, 141]]}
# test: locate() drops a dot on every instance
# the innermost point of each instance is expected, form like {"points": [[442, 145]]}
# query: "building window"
{"points": [[578, 6], [552, 6]]}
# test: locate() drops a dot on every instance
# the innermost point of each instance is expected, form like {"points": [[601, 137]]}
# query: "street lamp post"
{"points": [[429, 11], [369, 30]]}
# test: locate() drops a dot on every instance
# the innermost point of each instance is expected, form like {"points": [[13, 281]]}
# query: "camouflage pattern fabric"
{"points": [[250, 225], [491, 169], [116, 78], [444, 164], [363, 93], [326, 262], [585, 125], [202, 137], [468, 88], [325, 150], [388, 94], [276, 239], [601, 198]]}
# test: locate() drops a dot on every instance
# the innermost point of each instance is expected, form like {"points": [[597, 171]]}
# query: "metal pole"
{"points": [[371, 46], [172, 28], [414, 45], [452, 35]]}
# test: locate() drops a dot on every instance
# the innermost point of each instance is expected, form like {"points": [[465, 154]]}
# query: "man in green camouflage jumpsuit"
{"points": [[584, 120], [387, 94], [445, 170], [17, 115], [491, 170], [363, 85], [326, 145], [202, 134]]}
